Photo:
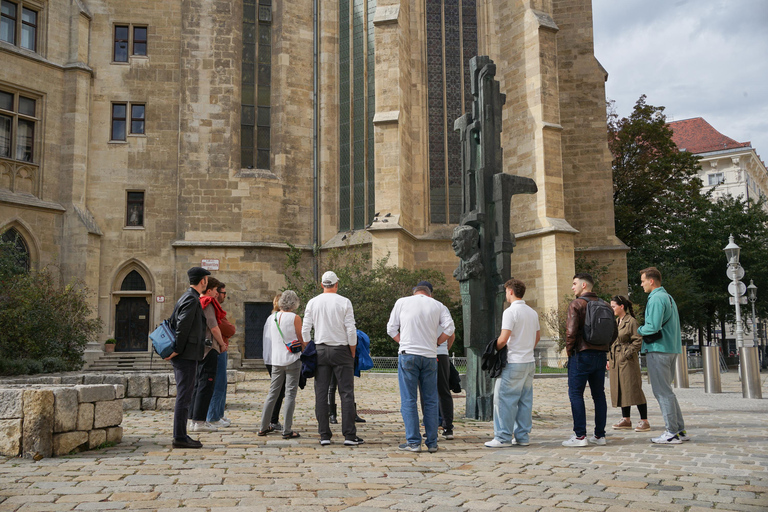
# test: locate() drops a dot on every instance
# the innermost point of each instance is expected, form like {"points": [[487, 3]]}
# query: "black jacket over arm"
{"points": [[190, 327]]}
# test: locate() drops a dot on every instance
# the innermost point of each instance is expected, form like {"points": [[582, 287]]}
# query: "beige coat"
{"points": [[625, 378]]}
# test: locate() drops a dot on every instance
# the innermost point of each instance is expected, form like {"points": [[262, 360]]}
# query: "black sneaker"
{"points": [[353, 442], [187, 443], [325, 442], [448, 434]]}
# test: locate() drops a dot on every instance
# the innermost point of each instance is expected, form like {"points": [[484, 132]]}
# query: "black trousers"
{"points": [[279, 404], [205, 381], [184, 371], [445, 399], [337, 361]]}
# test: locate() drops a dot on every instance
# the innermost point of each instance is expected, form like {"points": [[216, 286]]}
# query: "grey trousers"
{"points": [[661, 372], [336, 361], [288, 375]]}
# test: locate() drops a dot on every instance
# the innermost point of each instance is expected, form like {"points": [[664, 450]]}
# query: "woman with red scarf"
{"points": [[207, 368]]}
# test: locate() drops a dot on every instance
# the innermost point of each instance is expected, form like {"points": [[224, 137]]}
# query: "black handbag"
{"points": [[652, 338]]}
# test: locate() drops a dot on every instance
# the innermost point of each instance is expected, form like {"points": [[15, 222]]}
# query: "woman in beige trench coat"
{"points": [[624, 367]]}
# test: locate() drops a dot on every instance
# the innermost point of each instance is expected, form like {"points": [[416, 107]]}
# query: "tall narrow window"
{"points": [[140, 41], [451, 43], [19, 247], [356, 110], [255, 105], [28, 29], [121, 43], [18, 117], [118, 121], [8, 18], [137, 119], [134, 211]]}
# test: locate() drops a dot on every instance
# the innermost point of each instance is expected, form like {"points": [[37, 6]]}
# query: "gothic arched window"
{"points": [[133, 282], [20, 248]]}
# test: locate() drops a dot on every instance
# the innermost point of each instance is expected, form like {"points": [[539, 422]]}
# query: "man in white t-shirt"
{"points": [[333, 320], [419, 324], [513, 390]]}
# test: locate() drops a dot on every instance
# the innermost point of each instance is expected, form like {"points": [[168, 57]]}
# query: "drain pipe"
{"points": [[315, 141]]}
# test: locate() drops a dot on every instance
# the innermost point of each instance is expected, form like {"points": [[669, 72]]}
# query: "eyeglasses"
{"points": [[222, 293]]}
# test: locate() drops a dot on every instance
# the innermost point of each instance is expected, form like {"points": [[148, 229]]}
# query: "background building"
{"points": [[138, 139]]}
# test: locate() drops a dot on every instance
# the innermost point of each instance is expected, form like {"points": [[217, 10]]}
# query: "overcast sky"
{"points": [[697, 58]]}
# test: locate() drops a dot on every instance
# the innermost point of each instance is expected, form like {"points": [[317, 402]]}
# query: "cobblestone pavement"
{"points": [[724, 466]]}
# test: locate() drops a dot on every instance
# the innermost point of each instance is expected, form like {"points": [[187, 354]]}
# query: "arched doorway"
{"points": [[132, 312]]}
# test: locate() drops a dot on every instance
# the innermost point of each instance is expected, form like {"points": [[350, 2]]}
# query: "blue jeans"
{"points": [[661, 371], [587, 366], [418, 374], [219, 398], [513, 403]]}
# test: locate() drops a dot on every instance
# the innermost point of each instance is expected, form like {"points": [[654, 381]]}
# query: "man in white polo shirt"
{"points": [[513, 390], [419, 324], [333, 319]]}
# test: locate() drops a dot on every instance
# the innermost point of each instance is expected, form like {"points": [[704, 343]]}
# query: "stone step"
{"points": [[253, 364], [128, 361]]}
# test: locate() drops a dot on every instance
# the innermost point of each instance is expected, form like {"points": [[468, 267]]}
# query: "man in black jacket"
{"points": [[189, 349]]}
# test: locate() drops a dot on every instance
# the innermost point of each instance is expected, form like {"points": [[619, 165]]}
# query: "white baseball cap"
{"points": [[330, 278]]}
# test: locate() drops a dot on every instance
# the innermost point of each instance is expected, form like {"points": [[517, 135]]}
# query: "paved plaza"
{"points": [[724, 466]]}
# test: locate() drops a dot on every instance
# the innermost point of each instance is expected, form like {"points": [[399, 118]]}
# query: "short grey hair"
{"points": [[289, 301]]}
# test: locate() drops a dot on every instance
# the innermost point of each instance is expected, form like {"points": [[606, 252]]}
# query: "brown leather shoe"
{"points": [[624, 424], [643, 426]]}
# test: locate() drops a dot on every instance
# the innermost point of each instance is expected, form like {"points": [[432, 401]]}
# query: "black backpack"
{"points": [[599, 323]]}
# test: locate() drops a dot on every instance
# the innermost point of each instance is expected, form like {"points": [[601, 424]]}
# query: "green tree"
{"points": [[373, 289]]}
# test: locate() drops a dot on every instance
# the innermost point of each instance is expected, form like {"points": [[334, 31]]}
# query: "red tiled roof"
{"points": [[698, 136]]}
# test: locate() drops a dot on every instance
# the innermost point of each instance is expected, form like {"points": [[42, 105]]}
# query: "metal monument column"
{"points": [[483, 240]]}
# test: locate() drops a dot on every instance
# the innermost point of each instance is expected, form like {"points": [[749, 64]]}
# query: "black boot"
{"points": [[358, 419], [332, 417]]}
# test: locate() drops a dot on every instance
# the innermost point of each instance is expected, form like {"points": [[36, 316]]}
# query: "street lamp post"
{"points": [[748, 360], [752, 294]]}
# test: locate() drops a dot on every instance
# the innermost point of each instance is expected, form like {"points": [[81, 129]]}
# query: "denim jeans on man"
{"points": [[418, 374], [219, 397], [513, 403], [587, 366], [661, 371]]}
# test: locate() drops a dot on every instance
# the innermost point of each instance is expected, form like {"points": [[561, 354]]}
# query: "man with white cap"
{"points": [[333, 320]]}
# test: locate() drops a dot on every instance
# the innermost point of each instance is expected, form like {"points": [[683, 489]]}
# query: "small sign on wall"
{"points": [[210, 264], [160, 298]]}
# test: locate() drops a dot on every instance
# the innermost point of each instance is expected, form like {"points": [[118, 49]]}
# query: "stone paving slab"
{"points": [[724, 467]]}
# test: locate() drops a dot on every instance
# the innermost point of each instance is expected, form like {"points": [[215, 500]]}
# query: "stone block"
{"points": [[96, 438], [172, 390], [11, 404], [10, 437], [97, 393], [66, 442], [85, 416], [172, 379], [138, 386], [158, 385], [114, 434], [148, 403], [165, 404], [231, 376], [65, 402], [107, 414], [71, 379], [119, 391], [116, 379], [131, 404], [37, 431], [90, 378]]}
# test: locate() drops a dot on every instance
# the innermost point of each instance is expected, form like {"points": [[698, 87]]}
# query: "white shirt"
{"points": [[333, 319], [523, 322], [281, 356], [266, 340], [442, 349], [420, 320]]}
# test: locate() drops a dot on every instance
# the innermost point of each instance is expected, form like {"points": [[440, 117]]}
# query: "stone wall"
{"points": [[40, 420]]}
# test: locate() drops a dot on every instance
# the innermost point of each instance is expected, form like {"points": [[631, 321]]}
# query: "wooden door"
{"points": [[132, 324]]}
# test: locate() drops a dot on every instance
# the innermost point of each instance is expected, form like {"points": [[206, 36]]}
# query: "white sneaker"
{"points": [[667, 438], [600, 441], [515, 442], [576, 441], [495, 443], [203, 426], [683, 436], [222, 423]]}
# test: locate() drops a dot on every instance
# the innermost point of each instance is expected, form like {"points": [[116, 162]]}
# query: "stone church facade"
{"points": [[138, 139]]}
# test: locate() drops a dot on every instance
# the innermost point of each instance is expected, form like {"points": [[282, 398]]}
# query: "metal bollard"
{"points": [[710, 361], [681, 369], [750, 379]]}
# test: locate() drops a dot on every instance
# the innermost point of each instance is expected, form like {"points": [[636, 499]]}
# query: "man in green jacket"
{"points": [[661, 316]]}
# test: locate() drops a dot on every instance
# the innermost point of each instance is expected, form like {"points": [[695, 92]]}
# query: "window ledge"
{"points": [[118, 142], [134, 228], [138, 135], [257, 173]]}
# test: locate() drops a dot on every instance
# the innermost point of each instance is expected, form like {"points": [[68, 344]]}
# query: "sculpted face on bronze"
{"points": [[466, 245]]}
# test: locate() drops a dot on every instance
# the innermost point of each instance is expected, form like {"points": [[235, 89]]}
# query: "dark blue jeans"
{"points": [[587, 366]]}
